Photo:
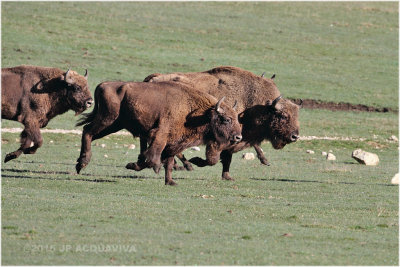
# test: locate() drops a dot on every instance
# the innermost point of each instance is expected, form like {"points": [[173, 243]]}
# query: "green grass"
{"points": [[302, 210], [334, 212], [341, 52]]}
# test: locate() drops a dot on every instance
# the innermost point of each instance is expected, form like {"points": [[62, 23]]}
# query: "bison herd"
{"points": [[227, 109]]}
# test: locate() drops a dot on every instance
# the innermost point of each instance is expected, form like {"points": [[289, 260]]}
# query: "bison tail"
{"points": [[87, 118]]}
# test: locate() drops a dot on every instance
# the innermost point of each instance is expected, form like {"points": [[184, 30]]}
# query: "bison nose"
{"points": [[89, 103], [237, 138], [294, 137]]}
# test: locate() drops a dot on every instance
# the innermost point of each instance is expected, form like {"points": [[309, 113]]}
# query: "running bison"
{"points": [[170, 116], [263, 113], [34, 95]]}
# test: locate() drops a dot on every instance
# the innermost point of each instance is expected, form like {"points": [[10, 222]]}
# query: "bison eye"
{"points": [[225, 120], [73, 87]]}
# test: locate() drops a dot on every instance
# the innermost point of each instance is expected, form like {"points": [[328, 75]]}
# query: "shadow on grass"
{"points": [[57, 179], [74, 174], [314, 181]]}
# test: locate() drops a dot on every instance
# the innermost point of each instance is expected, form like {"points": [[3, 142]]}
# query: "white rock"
{"points": [[365, 158], [324, 153], [310, 151], [51, 141], [330, 156], [248, 156], [393, 138], [195, 148], [103, 145], [330, 151], [106, 156], [395, 179], [131, 146]]}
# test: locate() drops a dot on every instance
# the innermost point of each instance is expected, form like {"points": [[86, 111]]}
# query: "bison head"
{"points": [[78, 94], [281, 124], [224, 124]]}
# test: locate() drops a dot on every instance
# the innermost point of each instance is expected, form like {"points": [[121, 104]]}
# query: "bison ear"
{"points": [[86, 74], [218, 105], [262, 75]]}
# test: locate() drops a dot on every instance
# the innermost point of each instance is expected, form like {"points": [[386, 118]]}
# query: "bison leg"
{"points": [[226, 159], [260, 155], [152, 155], [176, 167], [185, 162], [212, 157], [91, 132], [28, 135], [169, 163]]}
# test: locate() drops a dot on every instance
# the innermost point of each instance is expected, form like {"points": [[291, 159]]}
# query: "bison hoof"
{"points": [[79, 167], [170, 182], [178, 168], [265, 162], [133, 166], [227, 177], [10, 156], [157, 168], [188, 167]]}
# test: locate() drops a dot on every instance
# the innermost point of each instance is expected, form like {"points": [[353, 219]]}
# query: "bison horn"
{"points": [[86, 74], [301, 103], [273, 76], [276, 100], [218, 105], [68, 77], [235, 105], [262, 75]]}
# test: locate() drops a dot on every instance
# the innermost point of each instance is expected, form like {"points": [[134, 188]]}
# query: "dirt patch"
{"points": [[318, 104]]}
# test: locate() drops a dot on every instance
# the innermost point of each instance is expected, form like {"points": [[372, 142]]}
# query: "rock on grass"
{"points": [[366, 158]]}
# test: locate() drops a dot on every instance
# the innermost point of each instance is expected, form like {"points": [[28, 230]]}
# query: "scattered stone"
{"points": [[287, 235], [310, 151], [324, 153], [365, 158], [330, 156], [195, 148], [51, 141], [330, 151], [395, 179], [206, 196], [103, 145], [106, 156], [393, 138], [248, 156], [131, 146]]}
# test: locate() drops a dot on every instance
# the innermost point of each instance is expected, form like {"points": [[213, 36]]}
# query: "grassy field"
{"points": [[302, 210]]}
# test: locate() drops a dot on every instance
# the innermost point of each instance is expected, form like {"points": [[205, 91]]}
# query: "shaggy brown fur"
{"points": [[261, 119], [34, 95], [170, 116]]}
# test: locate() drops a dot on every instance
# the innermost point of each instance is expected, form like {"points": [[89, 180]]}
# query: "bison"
{"points": [[169, 116], [34, 95], [263, 112]]}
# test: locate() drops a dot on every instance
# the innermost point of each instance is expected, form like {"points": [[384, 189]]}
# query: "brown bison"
{"points": [[34, 95], [170, 116], [263, 113]]}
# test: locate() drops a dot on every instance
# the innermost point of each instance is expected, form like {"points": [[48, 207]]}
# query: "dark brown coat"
{"points": [[170, 116], [34, 95], [262, 112]]}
